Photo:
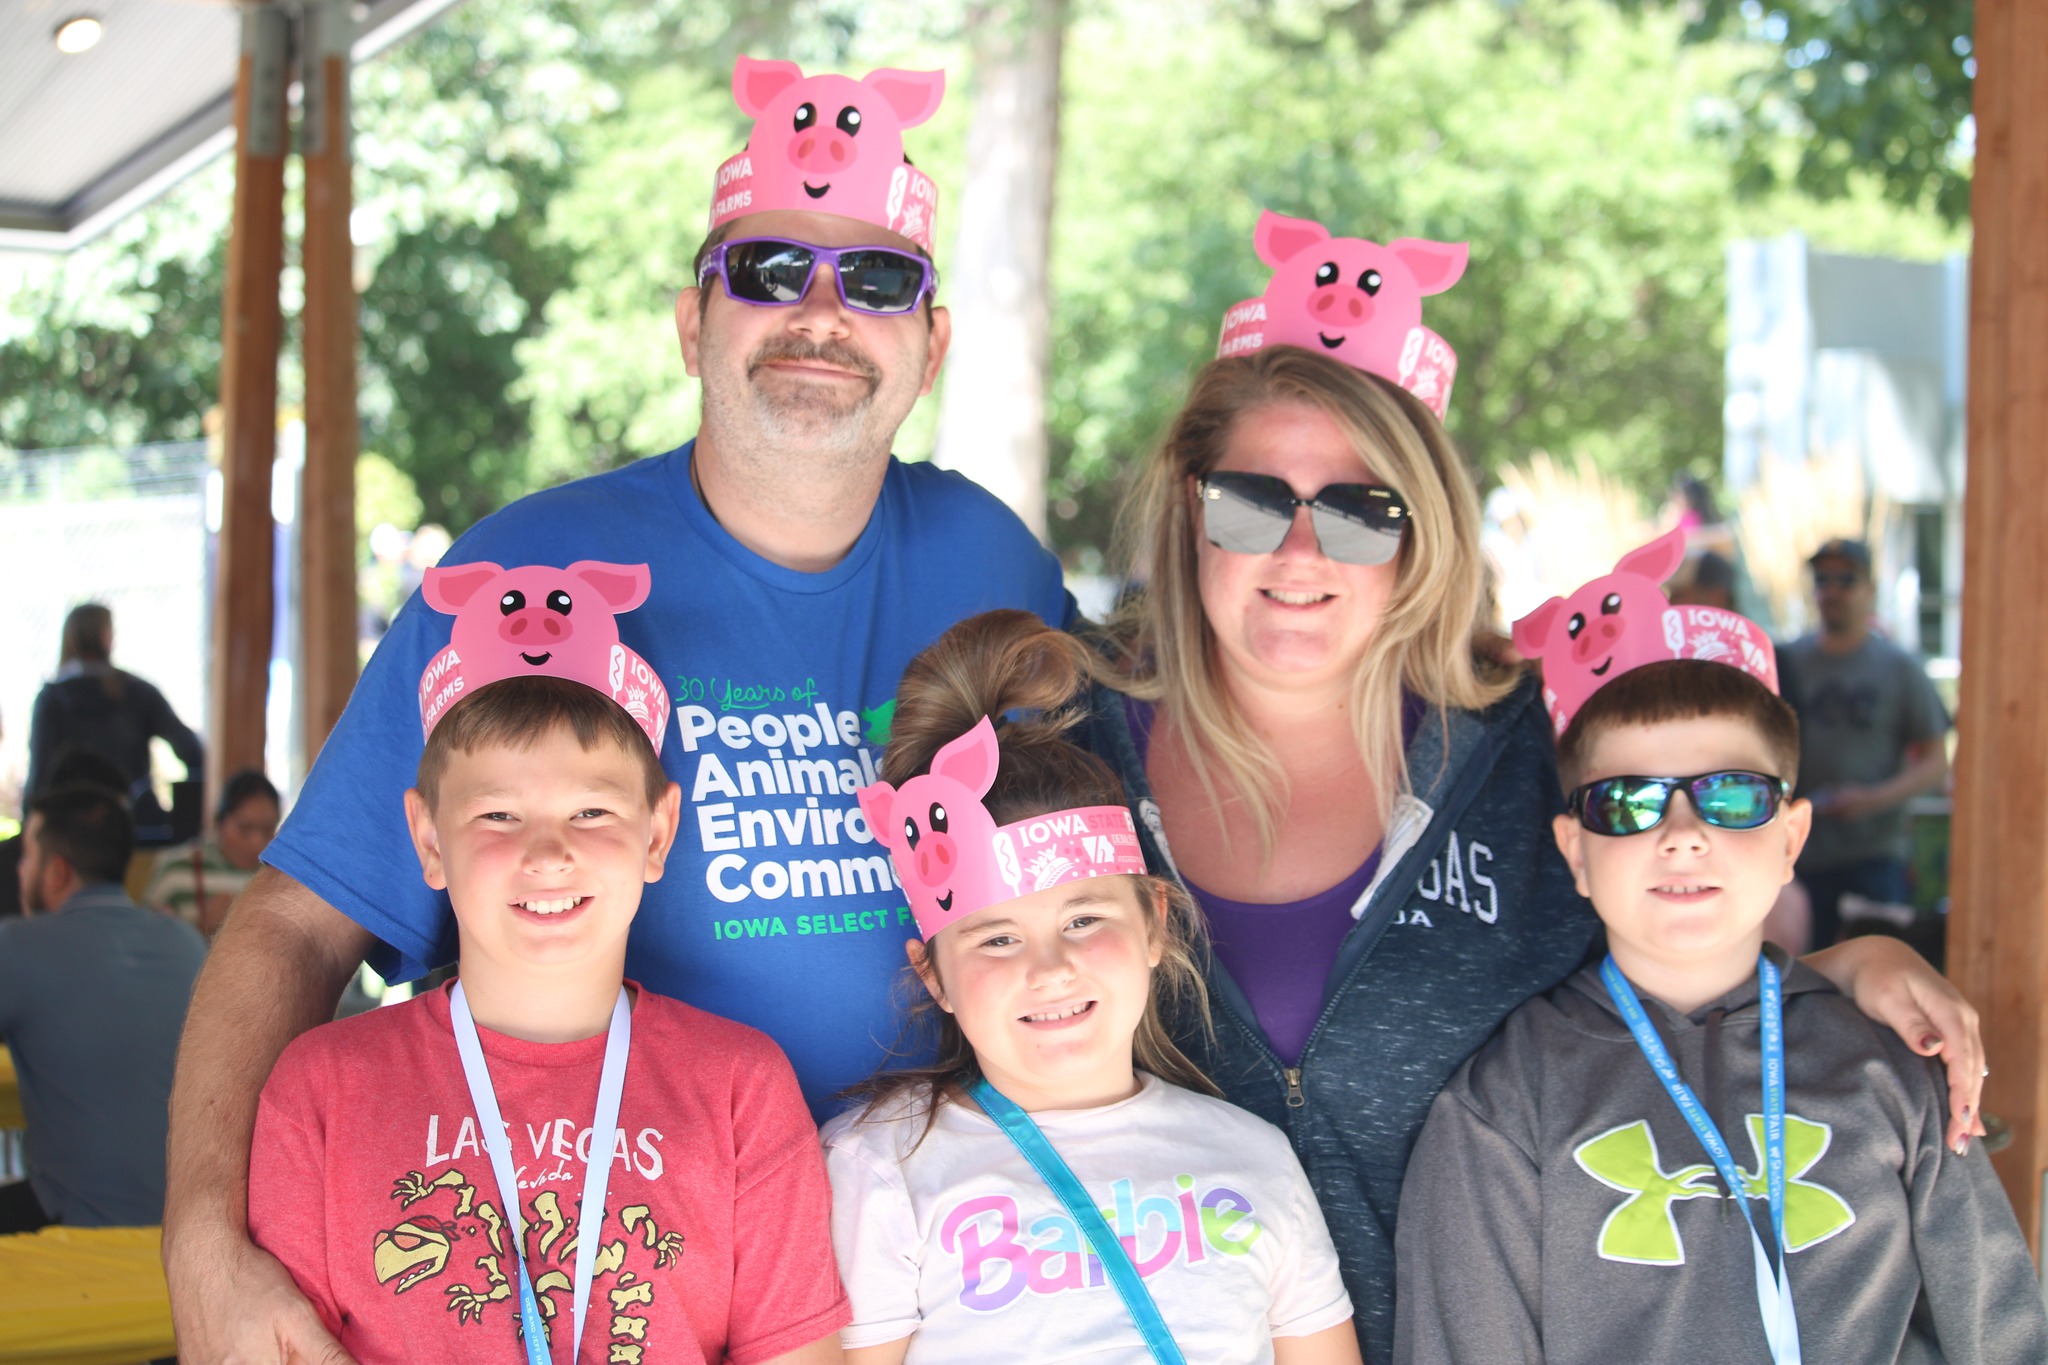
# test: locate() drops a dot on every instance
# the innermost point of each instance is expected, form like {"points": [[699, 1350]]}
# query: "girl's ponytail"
{"points": [[992, 665]]}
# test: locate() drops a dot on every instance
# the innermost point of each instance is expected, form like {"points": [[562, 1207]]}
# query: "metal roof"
{"points": [[88, 138]]}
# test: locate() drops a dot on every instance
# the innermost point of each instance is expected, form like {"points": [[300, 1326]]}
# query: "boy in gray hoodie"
{"points": [[1569, 1198]]}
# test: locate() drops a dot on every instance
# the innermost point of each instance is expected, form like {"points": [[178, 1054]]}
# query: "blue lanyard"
{"points": [[1773, 1292], [1116, 1262], [596, 1170]]}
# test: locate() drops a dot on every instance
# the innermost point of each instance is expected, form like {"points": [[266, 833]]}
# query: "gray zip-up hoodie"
{"points": [[1558, 1208], [1471, 913]]}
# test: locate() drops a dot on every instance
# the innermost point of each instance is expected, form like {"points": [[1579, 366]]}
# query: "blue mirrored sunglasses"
{"points": [[1730, 799]]}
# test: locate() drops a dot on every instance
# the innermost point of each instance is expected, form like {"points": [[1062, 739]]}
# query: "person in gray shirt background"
{"points": [[1871, 730], [92, 998]]}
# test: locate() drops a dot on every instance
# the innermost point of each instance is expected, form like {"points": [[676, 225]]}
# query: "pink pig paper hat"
{"points": [[830, 144], [952, 857], [1622, 620], [1352, 299], [536, 621]]}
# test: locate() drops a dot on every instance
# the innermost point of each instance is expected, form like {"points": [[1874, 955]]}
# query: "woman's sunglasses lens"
{"points": [[881, 281], [1349, 539], [767, 272], [1246, 514]]}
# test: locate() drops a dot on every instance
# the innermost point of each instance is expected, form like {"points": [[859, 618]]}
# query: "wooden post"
{"points": [[327, 513], [243, 596], [1998, 930]]}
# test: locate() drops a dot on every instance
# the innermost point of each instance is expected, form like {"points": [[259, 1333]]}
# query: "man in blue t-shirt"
{"points": [[796, 568]]}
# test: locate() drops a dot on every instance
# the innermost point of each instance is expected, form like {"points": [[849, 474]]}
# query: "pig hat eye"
{"points": [[806, 115], [513, 600], [849, 120], [911, 833], [938, 818], [1610, 604], [1370, 281], [558, 602], [1326, 273], [1575, 625]]}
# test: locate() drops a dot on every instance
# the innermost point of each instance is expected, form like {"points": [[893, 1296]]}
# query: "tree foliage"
{"points": [[1877, 88]]}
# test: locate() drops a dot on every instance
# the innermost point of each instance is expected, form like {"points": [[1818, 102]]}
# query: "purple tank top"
{"points": [[1280, 955]]}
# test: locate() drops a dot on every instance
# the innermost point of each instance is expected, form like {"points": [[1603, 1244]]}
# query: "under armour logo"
{"points": [[1644, 1230]]}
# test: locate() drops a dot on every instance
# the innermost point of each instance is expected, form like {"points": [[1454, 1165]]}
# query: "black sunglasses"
{"points": [[1730, 799], [774, 272], [1249, 514], [1836, 580]]}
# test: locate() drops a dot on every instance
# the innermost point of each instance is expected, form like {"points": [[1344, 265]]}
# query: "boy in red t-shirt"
{"points": [[542, 809]]}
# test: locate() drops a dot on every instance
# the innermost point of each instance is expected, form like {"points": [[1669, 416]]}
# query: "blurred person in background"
{"points": [[1706, 579], [92, 995], [95, 707], [1872, 734], [198, 881], [77, 766]]}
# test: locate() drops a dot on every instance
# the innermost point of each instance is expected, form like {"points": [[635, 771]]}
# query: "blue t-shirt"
{"points": [[778, 908]]}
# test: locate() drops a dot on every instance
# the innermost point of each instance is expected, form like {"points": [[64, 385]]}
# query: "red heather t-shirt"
{"points": [[368, 1181]]}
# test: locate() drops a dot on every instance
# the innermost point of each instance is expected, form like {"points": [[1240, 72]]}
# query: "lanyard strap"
{"points": [[1773, 1292], [597, 1167], [1108, 1248]]}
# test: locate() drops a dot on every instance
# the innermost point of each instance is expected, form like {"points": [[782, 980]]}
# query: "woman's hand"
{"points": [[1895, 986]]}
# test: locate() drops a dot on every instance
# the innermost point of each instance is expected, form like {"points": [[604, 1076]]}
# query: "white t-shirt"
{"points": [[960, 1245]]}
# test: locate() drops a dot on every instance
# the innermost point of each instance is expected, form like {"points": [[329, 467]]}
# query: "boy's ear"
{"points": [[920, 957], [1797, 819], [426, 839], [1571, 842], [662, 833]]}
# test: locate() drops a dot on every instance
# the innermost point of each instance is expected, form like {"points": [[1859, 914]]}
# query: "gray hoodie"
{"points": [[1559, 1209]]}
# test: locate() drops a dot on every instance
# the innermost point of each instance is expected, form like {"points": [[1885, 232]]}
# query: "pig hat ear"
{"points": [[876, 804], [447, 589], [1658, 560], [1532, 630], [1278, 238], [755, 84], [1364, 311], [914, 95], [971, 760], [534, 621]]}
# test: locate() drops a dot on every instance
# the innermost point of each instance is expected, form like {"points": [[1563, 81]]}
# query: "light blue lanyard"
{"points": [[1116, 1262], [597, 1168], [1773, 1292]]}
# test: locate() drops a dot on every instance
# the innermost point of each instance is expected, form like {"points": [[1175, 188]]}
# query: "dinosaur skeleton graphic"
{"points": [[423, 1246]]}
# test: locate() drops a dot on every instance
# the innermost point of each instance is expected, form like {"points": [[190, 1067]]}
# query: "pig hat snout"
{"points": [[1351, 299]]}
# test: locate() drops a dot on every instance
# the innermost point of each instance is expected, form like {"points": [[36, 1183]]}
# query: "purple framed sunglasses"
{"points": [[773, 272]]}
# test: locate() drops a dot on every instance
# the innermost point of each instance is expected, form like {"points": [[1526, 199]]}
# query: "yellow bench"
{"points": [[84, 1296]]}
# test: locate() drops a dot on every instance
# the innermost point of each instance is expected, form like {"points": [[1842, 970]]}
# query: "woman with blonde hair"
{"points": [[1323, 740]]}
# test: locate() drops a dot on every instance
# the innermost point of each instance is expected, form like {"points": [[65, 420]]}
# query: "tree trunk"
{"points": [[992, 422]]}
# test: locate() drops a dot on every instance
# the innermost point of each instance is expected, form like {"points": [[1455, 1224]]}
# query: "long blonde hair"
{"points": [[1431, 639], [995, 664]]}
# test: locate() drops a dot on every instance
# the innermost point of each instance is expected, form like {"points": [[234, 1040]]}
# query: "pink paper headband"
{"points": [[1622, 620], [1352, 299], [952, 857], [535, 621], [829, 144]]}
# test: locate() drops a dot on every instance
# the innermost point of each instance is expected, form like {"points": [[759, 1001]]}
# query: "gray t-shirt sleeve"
{"points": [[1922, 717], [1468, 1241]]}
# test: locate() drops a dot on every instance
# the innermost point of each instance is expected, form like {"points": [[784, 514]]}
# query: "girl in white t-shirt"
{"points": [[1046, 1005]]}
